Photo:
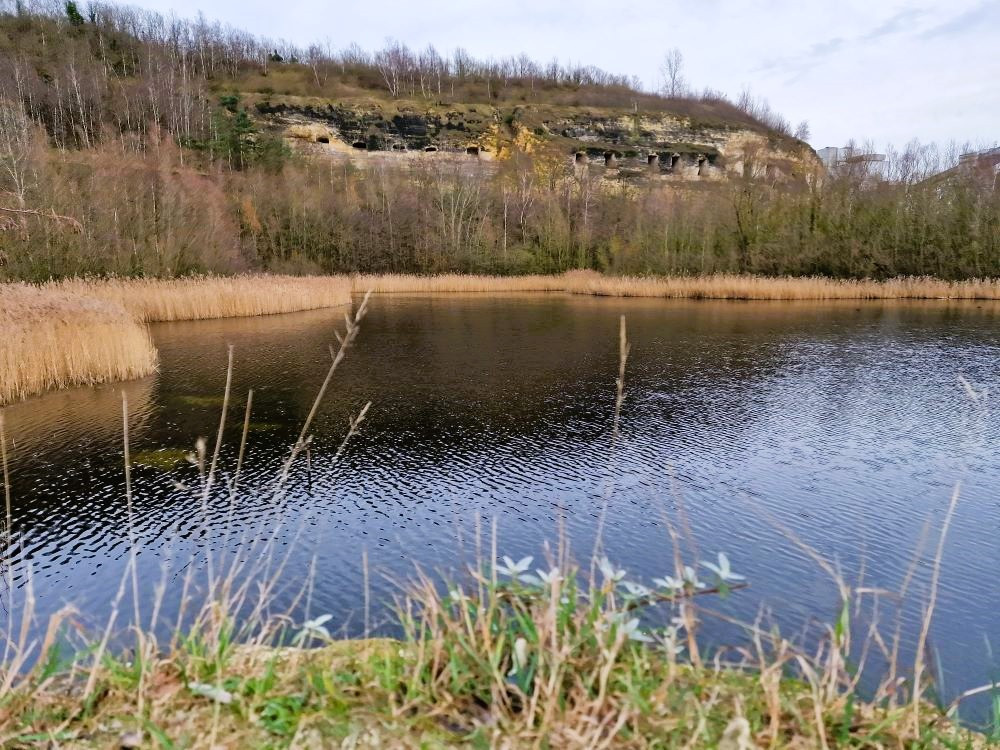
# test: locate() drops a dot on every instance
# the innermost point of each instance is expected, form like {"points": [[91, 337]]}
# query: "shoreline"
{"points": [[454, 682], [83, 331]]}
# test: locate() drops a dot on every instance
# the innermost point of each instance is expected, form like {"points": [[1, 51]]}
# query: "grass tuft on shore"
{"points": [[86, 331], [511, 660], [57, 338]]}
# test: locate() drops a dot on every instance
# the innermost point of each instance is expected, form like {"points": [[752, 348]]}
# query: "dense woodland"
{"points": [[125, 149]]}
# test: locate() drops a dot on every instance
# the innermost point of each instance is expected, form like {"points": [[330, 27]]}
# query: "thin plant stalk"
{"points": [[925, 626]]}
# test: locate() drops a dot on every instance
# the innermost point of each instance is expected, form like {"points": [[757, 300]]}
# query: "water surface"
{"points": [[843, 424]]}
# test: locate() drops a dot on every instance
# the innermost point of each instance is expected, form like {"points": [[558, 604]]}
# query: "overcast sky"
{"points": [[884, 70]]}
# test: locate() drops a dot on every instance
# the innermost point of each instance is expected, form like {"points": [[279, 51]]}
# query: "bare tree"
{"points": [[394, 62], [672, 72], [15, 156], [802, 131]]}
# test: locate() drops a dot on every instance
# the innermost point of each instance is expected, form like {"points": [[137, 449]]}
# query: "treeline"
{"points": [[109, 211], [90, 72]]}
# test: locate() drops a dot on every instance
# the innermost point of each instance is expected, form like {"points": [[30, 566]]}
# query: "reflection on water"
{"points": [[844, 423]]}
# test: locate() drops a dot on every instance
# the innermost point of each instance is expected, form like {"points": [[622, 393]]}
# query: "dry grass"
{"points": [[214, 297], [454, 282], [59, 334], [783, 287], [722, 286], [54, 339], [85, 331]]}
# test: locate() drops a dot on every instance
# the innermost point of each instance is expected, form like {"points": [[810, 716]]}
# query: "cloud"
{"points": [[979, 16], [902, 21]]}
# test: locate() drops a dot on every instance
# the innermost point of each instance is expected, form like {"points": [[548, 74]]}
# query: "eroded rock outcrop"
{"points": [[625, 145]]}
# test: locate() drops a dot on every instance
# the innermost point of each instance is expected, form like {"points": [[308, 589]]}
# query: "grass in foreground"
{"points": [[517, 660]]}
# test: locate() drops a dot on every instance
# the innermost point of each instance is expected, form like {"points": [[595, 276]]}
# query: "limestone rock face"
{"points": [[626, 145]]}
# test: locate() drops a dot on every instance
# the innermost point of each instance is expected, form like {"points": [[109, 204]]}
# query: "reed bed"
{"points": [[54, 338], [782, 288], [152, 300], [86, 331], [454, 282], [721, 286], [81, 331]]}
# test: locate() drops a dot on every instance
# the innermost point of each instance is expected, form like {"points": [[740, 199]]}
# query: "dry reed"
{"points": [[54, 339], [453, 282], [85, 331], [153, 300], [60, 334], [721, 286]]}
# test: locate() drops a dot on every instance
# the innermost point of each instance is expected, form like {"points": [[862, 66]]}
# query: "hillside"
{"points": [[137, 145], [119, 70]]}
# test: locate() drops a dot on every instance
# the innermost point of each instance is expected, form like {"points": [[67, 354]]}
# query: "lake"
{"points": [[755, 428]]}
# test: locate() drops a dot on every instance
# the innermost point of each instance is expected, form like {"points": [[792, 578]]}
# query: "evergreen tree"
{"points": [[73, 14]]}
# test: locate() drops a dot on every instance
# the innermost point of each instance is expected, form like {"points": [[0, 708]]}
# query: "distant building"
{"points": [[983, 166], [990, 155], [834, 156]]}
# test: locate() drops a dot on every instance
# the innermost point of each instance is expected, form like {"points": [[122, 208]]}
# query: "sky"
{"points": [[884, 71]]}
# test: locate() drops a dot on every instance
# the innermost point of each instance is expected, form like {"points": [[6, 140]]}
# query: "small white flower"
{"points": [[315, 628], [530, 578], [637, 589], [722, 570], [553, 576], [691, 578], [634, 634], [520, 656], [671, 646], [456, 594], [211, 692], [609, 571], [670, 583], [514, 569]]}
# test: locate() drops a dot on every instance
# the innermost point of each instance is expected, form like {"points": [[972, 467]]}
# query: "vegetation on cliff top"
{"points": [[130, 69]]}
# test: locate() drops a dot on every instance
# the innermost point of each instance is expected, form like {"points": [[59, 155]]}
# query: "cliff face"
{"points": [[626, 145]]}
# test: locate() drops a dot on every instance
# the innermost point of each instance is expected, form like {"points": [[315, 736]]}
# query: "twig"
{"points": [[74, 224]]}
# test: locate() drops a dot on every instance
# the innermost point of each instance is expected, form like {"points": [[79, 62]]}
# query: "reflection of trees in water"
{"points": [[84, 419]]}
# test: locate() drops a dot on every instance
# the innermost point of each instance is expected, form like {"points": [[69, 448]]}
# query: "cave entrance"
{"points": [[360, 145], [579, 157], [674, 161], [323, 139], [651, 159], [430, 149], [398, 147], [610, 158], [702, 161], [472, 150]]}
